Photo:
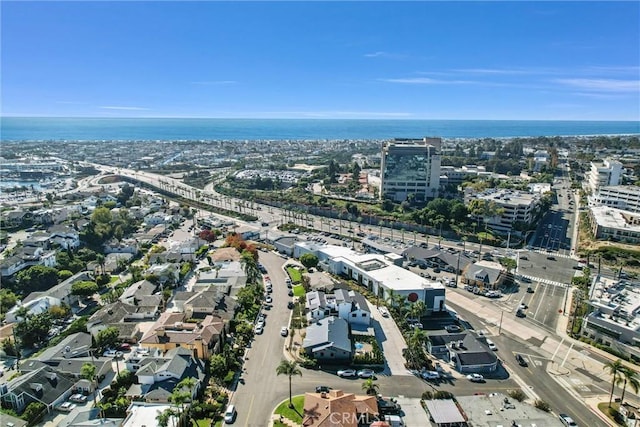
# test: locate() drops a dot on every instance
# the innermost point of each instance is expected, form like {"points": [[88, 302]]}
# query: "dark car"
{"points": [[290, 305], [290, 293], [453, 328], [521, 360], [529, 290], [323, 389], [520, 313]]}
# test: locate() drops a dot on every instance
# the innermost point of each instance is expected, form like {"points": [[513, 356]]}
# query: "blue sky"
{"points": [[414, 60]]}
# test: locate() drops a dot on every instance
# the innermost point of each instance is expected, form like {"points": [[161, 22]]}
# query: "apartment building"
{"points": [[410, 168], [625, 197], [516, 206], [615, 224], [607, 172]]}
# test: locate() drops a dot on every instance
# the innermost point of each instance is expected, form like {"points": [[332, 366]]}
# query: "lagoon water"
{"points": [[150, 129]]}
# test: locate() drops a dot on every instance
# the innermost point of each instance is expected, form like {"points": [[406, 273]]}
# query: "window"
{"points": [[354, 315], [364, 314]]}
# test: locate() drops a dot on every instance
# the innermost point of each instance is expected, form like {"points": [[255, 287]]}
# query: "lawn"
{"points": [[298, 291], [294, 414], [204, 422], [604, 408], [113, 279], [295, 274]]}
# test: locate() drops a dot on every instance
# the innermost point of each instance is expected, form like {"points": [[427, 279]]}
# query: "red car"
{"points": [[124, 347]]}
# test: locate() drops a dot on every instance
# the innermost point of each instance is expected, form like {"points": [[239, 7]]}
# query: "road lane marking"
{"points": [[567, 355], [246, 424], [557, 348]]}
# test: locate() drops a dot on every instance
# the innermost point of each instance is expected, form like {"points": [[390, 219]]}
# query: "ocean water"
{"points": [[101, 129]]}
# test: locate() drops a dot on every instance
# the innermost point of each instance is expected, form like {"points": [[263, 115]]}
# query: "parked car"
{"points": [[268, 299], [230, 414], [520, 313], [109, 353], [476, 378], [521, 360], [529, 290], [492, 345], [366, 373], [453, 328], [323, 389], [80, 398], [290, 293], [259, 329], [383, 311], [290, 305], [347, 373], [124, 347], [284, 331], [66, 407], [430, 375]]}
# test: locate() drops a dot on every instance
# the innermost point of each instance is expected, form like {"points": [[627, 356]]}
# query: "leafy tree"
{"points": [[289, 368], [309, 260], [542, 405], [84, 288], [7, 300], [370, 387], [78, 325], [59, 311], [101, 215], [209, 235], [88, 371], [37, 278], [415, 353], [64, 274], [107, 337], [34, 329], [616, 370], [9, 347], [33, 411], [250, 266], [218, 366]]}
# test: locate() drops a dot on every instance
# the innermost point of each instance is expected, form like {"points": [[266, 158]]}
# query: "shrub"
{"points": [[517, 395], [228, 379], [542, 405], [442, 395], [427, 395]]}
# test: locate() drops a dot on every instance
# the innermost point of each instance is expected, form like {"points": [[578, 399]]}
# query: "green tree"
{"points": [[370, 387], [34, 329], [289, 368], [101, 215], [416, 309], [165, 416], [84, 288], [33, 412], [107, 337], [616, 370], [7, 300], [250, 266], [9, 347], [630, 378], [309, 260], [218, 367], [415, 353], [37, 278], [88, 371], [182, 395], [64, 274]]}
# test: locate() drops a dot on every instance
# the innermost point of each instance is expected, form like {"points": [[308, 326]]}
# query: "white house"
{"points": [[37, 306]]}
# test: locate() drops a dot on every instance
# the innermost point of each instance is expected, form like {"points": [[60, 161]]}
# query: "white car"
{"points": [[268, 300], [492, 345], [67, 407], [384, 311], [81, 398], [284, 331], [110, 353], [430, 375], [346, 373], [259, 329], [476, 378]]}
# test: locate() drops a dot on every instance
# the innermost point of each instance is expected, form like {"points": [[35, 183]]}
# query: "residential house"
{"points": [[122, 316], [328, 340], [172, 330], [208, 302], [62, 291], [66, 237], [45, 385], [285, 244], [353, 307], [39, 305], [166, 273], [125, 246], [24, 257], [317, 306], [157, 377], [134, 293], [143, 414], [337, 408]]}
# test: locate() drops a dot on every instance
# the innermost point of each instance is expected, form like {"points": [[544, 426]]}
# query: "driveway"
{"points": [[414, 414], [389, 336]]}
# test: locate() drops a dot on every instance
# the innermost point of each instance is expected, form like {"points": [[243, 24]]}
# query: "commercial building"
{"points": [[607, 172], [625, 197], [614, 317], [515, 207], [410, 169], [614, 224]]}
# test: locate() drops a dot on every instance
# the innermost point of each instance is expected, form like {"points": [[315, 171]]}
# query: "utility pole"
{"points": [[458, 268], [500, 326]]}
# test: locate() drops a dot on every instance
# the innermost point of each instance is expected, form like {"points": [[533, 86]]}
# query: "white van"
{"points": [[491, 345], [230, 414]]}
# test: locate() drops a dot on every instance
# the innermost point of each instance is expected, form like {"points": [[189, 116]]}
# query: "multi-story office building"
{"points": [[609, 172], [625, 197], [515, 206], [410, 167], [614, 224]]}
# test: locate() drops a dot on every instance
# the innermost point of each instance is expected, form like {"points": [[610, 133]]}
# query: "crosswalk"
{"points": [[555, 254], [545, 281]]}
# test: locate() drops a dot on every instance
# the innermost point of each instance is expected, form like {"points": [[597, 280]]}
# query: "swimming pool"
{"points": [[359, 346]]}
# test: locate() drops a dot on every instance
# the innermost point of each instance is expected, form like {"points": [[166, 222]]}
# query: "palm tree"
{"points": [[289, 369], [250, 266], [415, 353], [615, 368], [630, 377], [370, 387], [416, 309], [88, 371]]}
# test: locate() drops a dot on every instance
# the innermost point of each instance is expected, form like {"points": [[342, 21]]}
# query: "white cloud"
{"points": [[602, 85], [127, 108], [383, 54]]}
